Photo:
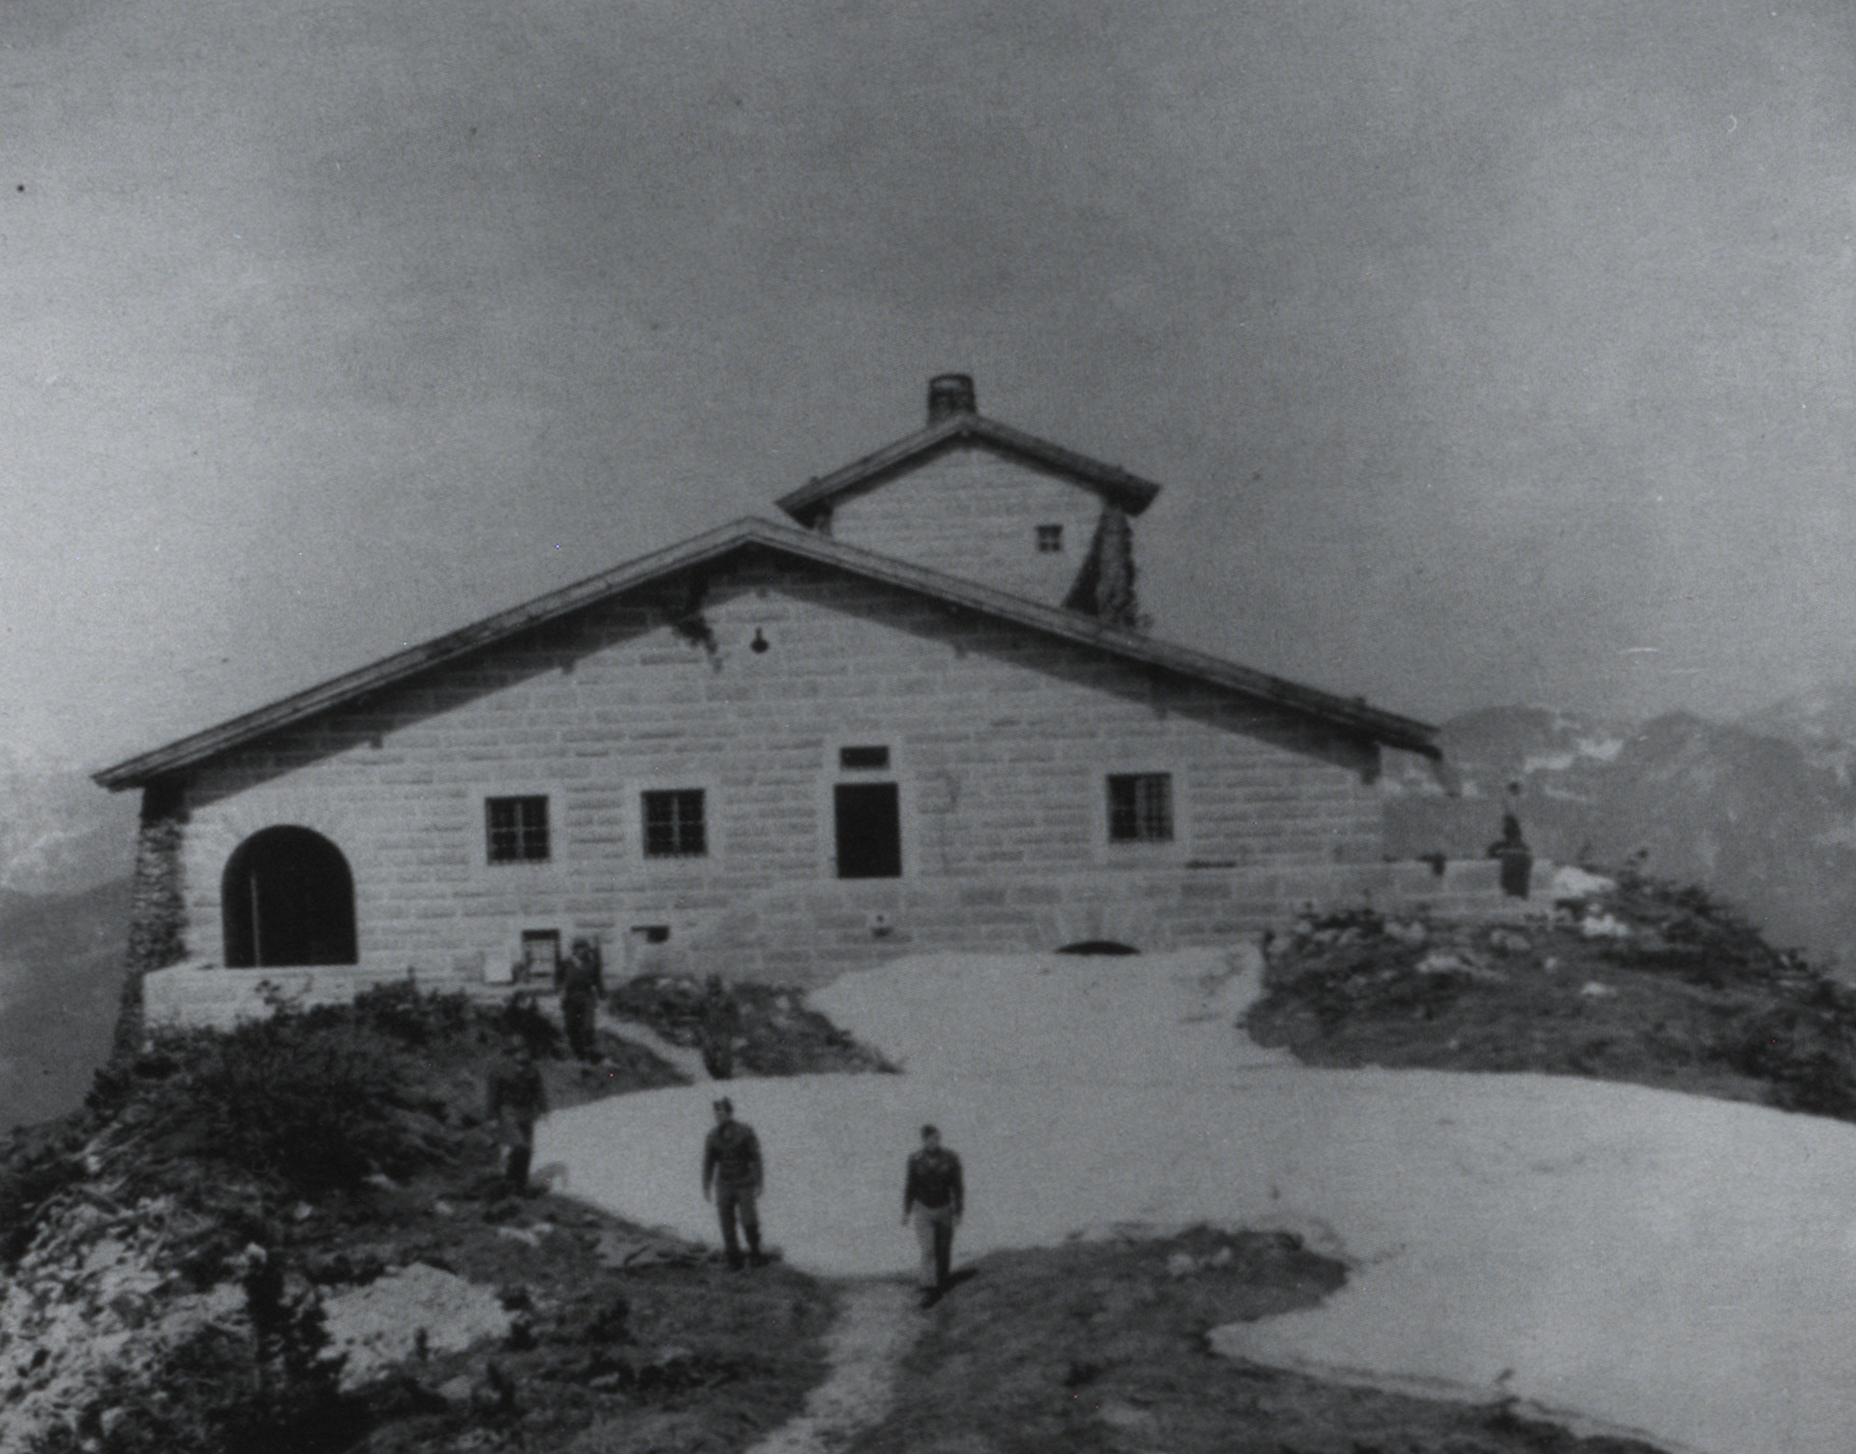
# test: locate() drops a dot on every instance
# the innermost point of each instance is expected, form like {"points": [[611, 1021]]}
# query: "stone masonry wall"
{"points": [[974, 514], [157, 907], [1000, 739]]}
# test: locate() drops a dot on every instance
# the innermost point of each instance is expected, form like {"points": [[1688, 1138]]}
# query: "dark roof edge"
{"points": [[1352, 716], [1128, 491]]}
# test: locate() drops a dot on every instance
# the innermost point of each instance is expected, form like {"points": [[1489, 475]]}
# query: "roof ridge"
{"points": [[1123, 487]]}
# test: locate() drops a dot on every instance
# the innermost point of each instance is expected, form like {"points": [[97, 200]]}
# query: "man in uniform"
{"points": [[934, 1197], [1514, 856], [721, 1023], [583, 981], [517, 1098], [731, 1166]]}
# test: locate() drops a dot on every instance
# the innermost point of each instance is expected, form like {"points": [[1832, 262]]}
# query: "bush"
{"points": [[1806, 1066], [308, 1100], [521, 1017], [39, 1163], [412, 1016]]}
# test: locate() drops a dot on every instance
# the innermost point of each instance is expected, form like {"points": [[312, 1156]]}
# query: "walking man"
{"points": [[517, 1098], [934, 1195], [583, 981], [731, 1165]]}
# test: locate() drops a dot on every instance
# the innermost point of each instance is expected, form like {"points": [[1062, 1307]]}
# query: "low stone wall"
{"points": [[809, 936], [195, 996]]}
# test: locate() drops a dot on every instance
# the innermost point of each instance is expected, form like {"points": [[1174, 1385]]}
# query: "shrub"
{"points": [[1807, 1067], [39, 1163], [413, 1016], [309, 1100], [521, 1017]]}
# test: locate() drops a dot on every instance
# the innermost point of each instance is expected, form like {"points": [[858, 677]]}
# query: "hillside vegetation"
{"points": [[1651, 983], [292, 1238]]}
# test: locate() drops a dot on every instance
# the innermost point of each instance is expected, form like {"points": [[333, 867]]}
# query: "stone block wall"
{"points": [[746, 684], [974, 514]]}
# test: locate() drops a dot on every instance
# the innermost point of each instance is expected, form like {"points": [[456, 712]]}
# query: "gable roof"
{"points": [[1117, 486], [750, 533]]}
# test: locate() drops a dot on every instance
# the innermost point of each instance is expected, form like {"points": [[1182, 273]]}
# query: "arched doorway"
{"points": [[287, 898]]}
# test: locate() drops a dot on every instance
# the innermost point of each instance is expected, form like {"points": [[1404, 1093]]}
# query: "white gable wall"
{"points": [[974, 513]]}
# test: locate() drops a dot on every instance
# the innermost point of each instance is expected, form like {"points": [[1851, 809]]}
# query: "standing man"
{"points": [[517, 1098], [731, 1165], [721, 1023], [1515, 857], [935, 1195], [583, 981]]}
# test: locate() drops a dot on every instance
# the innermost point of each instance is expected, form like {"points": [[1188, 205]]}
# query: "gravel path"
{"points": [[876, 1325]]}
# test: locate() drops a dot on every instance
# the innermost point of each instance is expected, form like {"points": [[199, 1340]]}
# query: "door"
{"points": [[869, 821]]}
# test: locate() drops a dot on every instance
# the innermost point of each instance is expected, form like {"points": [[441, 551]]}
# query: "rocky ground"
{"points": [[1637, 981], [290, 1238], [293, 1239]]}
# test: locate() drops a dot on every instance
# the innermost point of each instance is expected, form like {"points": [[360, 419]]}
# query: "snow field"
{"points": [[1645, 1259]]}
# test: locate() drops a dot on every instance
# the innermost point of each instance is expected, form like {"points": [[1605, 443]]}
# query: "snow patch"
{"points": [[1576, 883], [1653, 1260]]}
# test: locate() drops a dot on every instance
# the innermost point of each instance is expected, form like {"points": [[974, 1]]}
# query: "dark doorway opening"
{"points": [[288, 898], [869, 830]]}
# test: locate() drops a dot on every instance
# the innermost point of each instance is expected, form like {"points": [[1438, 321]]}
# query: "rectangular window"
{"points": [[1050, 540], [673, 824], [869, 825], [517, 829], [1140, 807], [863, 757]]}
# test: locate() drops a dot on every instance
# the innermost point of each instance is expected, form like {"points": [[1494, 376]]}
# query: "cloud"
{"points": [[1471, 342]]}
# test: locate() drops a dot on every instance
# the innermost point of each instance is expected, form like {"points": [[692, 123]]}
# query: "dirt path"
{"points": [[877, 1323]]}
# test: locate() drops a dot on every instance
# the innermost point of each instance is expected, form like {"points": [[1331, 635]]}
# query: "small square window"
{"points": [[1140, 807], [868, 758], [673, 824], [516, 829], [1050, 540]]}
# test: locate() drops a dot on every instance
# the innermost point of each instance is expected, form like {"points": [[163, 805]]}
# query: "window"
{"points": [[1140, 807], [673, 824], [863, 757], [517, 829], [1050, 540]]}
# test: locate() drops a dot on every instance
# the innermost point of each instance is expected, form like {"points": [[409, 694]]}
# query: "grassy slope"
{"points": [[61, 972], [1691, 1000], [668, 1352], [1099, 1349]]}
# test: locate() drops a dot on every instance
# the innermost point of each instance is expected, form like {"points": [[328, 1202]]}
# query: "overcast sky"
{"points": [[1486, 351]]}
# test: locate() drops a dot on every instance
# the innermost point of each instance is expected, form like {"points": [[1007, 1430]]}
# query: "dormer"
{"points": [[981, 500]]}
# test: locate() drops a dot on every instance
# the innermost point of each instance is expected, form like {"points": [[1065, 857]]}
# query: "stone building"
{"points": [[923, 715]]}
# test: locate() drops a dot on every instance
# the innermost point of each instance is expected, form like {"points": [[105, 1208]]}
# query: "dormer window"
{"points": [[1050, 540]]}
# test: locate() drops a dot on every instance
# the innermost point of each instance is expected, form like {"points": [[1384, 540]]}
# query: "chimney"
{"points": [[950, 394]]}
